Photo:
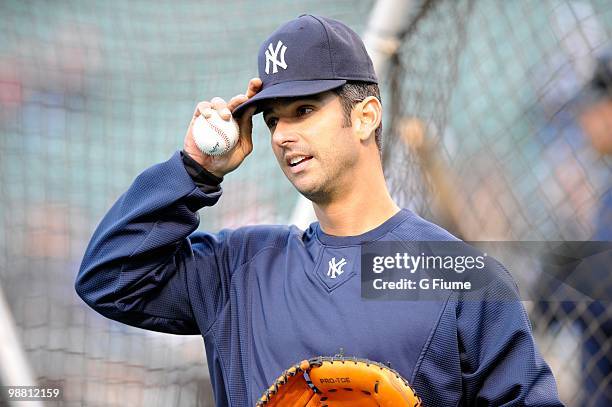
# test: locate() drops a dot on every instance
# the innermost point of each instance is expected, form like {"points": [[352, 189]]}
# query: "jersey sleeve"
{"points": [[144, 255], [500, 362]]}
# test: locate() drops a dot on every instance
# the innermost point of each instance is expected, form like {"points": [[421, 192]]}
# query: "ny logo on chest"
{"points": [[336, 268]]}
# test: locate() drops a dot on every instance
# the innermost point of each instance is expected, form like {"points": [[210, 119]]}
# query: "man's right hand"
{"points": [[223, 164]]}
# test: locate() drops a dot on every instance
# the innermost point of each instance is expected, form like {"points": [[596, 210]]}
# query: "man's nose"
{"points": [[284, 133]]}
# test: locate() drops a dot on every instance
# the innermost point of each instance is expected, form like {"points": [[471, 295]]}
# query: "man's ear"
{"points": [[367, 116]]}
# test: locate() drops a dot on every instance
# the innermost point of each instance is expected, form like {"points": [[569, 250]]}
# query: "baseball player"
{"points": [[595, 323], [264, 297]]}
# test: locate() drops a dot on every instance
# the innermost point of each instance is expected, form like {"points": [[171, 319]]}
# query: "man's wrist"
{"points": [[203, 178]]}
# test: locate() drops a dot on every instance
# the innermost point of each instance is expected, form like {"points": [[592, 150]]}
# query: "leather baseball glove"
{"points": [[339, 381]]}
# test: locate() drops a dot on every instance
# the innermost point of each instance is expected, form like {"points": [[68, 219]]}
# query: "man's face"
{"points": [[312, 146], [596, 120]]}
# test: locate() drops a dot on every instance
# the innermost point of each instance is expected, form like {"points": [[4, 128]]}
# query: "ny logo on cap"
{"points": [[272, 57]]}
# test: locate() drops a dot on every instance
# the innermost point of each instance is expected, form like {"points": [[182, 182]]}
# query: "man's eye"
{"points": [[271, 122], [301, 111]]}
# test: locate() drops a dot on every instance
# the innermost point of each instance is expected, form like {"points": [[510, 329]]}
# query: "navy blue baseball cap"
{"points": [[310, 55]]}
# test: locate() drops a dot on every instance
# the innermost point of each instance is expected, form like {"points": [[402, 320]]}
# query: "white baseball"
{"points": [[215, 136]]}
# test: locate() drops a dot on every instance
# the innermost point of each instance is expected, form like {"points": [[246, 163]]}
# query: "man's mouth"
{"points": [[298, 163], [295, 161]]}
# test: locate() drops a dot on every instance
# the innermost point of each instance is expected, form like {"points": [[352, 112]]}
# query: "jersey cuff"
{"points": [[203, 179]]}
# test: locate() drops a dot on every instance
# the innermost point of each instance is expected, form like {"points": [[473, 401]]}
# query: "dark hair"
{"points": [[354, 92], [602, 77]]}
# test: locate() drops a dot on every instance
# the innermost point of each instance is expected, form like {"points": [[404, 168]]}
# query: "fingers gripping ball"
{"points": [[339, 382], [213, 135]]}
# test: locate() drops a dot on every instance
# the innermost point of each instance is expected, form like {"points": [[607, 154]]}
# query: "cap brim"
{"points": [[289, 90]]}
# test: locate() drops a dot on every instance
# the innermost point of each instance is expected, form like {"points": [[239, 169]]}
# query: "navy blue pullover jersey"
{"points": [[262, 299]]}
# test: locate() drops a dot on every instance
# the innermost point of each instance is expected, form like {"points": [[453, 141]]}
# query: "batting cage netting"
{"points": [[488, 103], [485, 106]]}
